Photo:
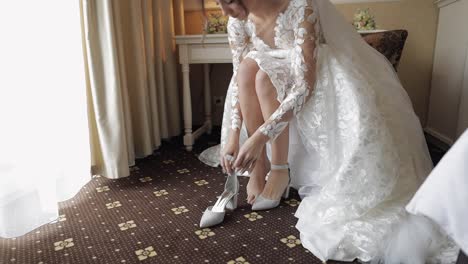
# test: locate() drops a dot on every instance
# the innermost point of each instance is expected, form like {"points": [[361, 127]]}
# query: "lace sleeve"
{"points": [[238, 41], [303, 60]]}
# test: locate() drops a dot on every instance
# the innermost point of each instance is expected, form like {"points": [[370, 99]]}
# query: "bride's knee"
{"points": [[263, 85], [246, 73]]}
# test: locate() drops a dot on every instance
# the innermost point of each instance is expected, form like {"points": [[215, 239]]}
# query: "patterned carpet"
{"points": [[153, 216]]}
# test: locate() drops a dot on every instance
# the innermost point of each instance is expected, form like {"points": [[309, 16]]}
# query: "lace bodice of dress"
{"points": [[297, 34]]}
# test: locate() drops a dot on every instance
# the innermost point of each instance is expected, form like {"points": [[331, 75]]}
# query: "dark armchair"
{"points": [[389, 43]]}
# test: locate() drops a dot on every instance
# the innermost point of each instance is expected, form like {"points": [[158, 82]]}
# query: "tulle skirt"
{"points": [[357, 155]]}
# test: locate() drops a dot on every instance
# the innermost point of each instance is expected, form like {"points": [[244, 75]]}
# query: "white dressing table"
{"points": [[214, 49]]}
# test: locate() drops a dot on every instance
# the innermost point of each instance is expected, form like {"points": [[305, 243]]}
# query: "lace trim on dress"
{"points": [[306, 28], [238, 41]]}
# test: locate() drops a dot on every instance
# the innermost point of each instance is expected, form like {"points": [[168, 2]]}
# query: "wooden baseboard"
{"points": [[436, 140], [439, 136]]}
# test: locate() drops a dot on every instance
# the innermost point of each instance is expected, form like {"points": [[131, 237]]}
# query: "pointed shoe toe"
{"points": [[211, 218], [262, 203]]}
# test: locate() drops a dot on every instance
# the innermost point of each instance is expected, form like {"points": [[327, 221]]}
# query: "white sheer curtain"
{"points": [[132, 89], [44, 139], [74, 93]]}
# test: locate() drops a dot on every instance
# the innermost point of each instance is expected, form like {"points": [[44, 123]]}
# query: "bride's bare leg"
{"points": [[278, 179], [249, 104]]}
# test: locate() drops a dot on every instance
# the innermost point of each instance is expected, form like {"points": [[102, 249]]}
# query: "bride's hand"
{"points": [[230, 151], [250, 152]]}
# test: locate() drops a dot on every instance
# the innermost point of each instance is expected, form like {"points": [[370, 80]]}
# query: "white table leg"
{"points": [[206, 69], [188, 137]]}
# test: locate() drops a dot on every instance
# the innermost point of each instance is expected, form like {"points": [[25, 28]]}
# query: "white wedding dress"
{"points": [[357, 152]]}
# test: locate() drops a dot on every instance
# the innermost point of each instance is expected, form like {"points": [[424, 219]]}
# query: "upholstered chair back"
{"points": [[389, 43]]}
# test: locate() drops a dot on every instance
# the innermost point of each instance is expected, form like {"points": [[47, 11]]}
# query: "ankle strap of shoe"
{"points": [[279, 167]]}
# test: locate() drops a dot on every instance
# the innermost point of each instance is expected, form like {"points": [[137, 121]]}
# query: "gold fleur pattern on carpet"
{"points": [[254, 216], [113, 205], [127, 225], [183, 171], [291, 241], [161, 193], [137, 220], [145, 253], [204, 233], [201, 182], [179, 210], [102, 189], [67, 243], [146, 179], [239, 260], [293, 202]]}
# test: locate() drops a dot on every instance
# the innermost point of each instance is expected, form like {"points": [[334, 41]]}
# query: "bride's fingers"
{"points": [[241, 166], [252, 166], [228, 162], [248, 165], [238, 162], [228, 166], [223, 166], [245, 165]]}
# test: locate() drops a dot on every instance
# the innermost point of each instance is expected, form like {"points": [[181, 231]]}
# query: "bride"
{"points": [[316, 108]]}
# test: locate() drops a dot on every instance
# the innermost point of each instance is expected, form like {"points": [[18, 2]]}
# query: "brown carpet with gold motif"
{"points": [[153, 216]]}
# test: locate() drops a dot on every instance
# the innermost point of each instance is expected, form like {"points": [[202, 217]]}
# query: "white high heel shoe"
{"points": [[262, 203], [214, 215]]}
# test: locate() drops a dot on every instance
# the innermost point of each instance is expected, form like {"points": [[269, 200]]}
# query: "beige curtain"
{"points": [[132, 80]]}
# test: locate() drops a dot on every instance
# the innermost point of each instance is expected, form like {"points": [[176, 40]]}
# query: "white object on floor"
{"points": [[444, 197]]}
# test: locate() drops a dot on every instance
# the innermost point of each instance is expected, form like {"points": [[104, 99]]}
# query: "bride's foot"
{"points": [[276, 184], [257, 180]]}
